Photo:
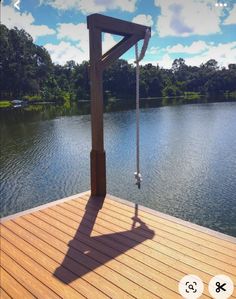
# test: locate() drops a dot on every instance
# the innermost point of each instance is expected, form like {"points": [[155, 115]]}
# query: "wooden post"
{"points": [[97, 155], [132, 34]]}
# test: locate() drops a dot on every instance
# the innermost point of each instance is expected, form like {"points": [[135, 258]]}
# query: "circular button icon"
{"points": [[191, 287], [221, 287]]}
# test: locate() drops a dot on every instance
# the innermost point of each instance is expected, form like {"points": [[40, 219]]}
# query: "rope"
{"points": [[138, 58]]}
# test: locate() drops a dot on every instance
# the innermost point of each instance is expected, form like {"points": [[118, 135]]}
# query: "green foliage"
{"points": [[232, 94], [35, 108], [33, 98], [26, 72], [5, 104], [24, 66], [171, 91], [191, 95]]}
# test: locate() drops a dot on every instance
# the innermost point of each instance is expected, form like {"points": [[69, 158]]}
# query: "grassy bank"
{"points": [[5, 104]]}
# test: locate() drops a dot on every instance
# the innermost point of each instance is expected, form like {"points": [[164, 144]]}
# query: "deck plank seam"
{"points": [[25, 254], [75, 260], [121, 202], [118, 202], [230, 240], [210, 274], [114, 210], [5, 290], [93, 286], [33, 258], [149, 278], [17, 282], [133, 258], [119, 273], [159, 244], [78, 205], [152, 227], [55, 260], [72, 227], [106, 245], [169, 238], [32, 276], [2, 289], [41, 252]]}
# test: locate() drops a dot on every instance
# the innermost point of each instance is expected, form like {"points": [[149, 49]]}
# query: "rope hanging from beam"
{"points": [[138, 58]]}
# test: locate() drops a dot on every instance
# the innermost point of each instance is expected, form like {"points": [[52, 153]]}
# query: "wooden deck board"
{"points": [[181, 245], [74, 248], [169, 236], [4, 295], [166, 225]]}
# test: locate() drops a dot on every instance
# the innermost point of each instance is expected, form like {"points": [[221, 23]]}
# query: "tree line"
{"points": [[27, 72]]}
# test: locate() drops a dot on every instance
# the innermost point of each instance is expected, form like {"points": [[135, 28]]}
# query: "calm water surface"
{"points": [[188, 161]]}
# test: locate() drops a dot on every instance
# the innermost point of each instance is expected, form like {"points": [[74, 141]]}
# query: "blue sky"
{"points": [[196, 30]]}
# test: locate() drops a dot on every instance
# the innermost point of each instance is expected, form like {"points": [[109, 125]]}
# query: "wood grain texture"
{"points": [[4, 295], [80, 248]]}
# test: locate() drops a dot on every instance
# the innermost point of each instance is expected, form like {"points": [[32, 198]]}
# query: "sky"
{"points": [[196, 30]]}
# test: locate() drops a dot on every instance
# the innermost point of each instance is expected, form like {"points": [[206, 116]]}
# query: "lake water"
{"points": [[188, 161]]}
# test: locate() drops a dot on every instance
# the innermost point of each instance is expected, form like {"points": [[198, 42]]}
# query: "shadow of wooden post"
{"points": [[83, 256]]}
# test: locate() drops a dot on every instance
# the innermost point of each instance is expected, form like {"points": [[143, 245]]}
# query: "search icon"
{"points": [[191, 287]]}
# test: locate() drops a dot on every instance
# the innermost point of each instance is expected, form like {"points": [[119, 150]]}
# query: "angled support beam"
{"points": [[124, 45], [132, 34], [115, 47]]}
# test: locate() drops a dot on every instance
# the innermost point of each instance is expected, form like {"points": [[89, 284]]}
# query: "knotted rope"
{"points": [[139, 57]]}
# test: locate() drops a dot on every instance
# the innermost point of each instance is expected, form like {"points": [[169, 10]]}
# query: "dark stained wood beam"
{"points": [[132, 34], [115, 26], [124, 45]]}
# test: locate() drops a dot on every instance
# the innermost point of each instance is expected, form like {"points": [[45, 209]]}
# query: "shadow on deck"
{"points": [[79, 251]]}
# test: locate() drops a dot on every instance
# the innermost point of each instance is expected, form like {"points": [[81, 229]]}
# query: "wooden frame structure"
{"points": [[132, 33]]}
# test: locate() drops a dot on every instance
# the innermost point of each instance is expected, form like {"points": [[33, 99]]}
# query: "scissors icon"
{"points": [[220, 287]]}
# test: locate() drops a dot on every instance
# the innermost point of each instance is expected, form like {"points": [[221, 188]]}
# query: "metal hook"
{"points": [[138, 178]]}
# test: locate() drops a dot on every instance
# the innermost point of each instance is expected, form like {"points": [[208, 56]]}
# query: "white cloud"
{"points": [[223, 53], [108, 42], [65, 51], [165, 61], [185, 18], [143, 20], [195, 47], [12, 18], [231, 19], [154, 50], [74, 44], [76, 33], [92, 6], [201, 52]]}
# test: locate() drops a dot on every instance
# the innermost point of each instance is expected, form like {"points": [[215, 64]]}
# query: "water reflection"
{"points": [[188, 161]]}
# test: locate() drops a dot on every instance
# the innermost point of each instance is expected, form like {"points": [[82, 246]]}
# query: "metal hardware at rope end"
{"points": [[138, 178]]}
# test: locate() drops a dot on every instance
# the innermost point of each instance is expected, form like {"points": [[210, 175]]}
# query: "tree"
{"points": [[26, 70], [178, 64], [24, 66], [211, 64], [232, 66]]}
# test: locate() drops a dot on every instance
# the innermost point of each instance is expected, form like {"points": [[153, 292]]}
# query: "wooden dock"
{"points": [[81, 247]]}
